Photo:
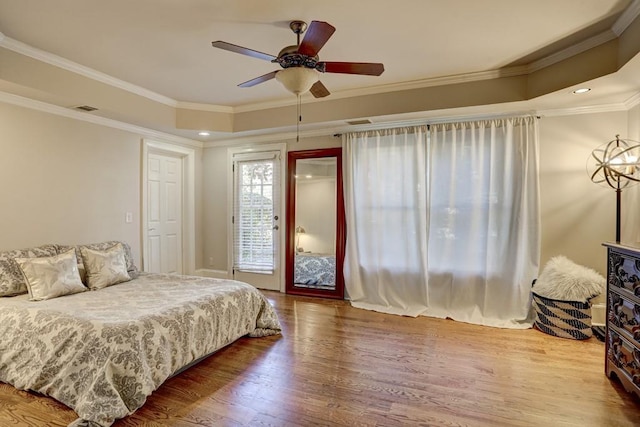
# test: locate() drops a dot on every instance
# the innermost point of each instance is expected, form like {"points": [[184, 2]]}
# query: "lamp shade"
{"points": [[297, 80]]}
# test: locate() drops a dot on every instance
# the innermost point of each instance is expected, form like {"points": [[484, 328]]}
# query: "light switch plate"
{"points": [[128, 217]]}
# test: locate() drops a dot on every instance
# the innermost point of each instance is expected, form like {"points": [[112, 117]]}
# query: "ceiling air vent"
{"points": [[85, 108], [360, 122]]}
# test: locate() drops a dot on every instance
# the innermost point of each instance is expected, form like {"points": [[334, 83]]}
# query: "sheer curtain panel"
{"points": [[484, 236], [444, 224], [385, 188]]}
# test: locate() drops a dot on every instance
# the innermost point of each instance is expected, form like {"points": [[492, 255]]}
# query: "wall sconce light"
{"points": [[616, 164]]}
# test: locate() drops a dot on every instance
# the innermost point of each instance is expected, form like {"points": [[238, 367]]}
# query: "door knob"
{"points": [[275, 227]]}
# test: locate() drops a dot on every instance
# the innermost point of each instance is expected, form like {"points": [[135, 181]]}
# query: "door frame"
{"points": [[231, 151], [187, 157], [338, 292]]}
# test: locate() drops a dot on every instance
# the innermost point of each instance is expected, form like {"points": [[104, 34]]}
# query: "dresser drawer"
{"points": [[624, 314], [625, 357], [624, 273]]}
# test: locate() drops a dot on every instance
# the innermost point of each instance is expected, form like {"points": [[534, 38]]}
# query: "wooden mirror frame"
{"points": [[293, 156]]}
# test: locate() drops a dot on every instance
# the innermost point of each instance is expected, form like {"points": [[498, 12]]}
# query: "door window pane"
{"points": [[254, 216]]}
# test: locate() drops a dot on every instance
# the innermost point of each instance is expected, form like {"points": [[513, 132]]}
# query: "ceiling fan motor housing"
{"points": [[289, 57]]}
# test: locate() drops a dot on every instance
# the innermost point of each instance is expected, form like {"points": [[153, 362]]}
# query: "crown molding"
{"points": [[205, 107], [60, 62], [437, 81], [571, 51], [265, 138], [55, 60], [21, 101], [425, 119], [632, 11], [628, 16], [395, 87], [338, 130], [633, 101], [589, 109]]}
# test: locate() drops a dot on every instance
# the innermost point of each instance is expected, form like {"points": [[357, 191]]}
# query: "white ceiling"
{"points": [[164, 46]]}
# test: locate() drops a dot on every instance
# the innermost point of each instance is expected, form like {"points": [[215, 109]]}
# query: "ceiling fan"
{"points": [[300, 63]]}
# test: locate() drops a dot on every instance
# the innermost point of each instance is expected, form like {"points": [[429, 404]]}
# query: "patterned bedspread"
{"points": [[315, 270], [103, 352]]}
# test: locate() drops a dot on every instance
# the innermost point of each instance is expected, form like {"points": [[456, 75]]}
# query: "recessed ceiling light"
{"points": [[581, 90], [204, 133]]}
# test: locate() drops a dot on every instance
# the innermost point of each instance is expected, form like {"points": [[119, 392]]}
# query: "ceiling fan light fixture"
{"points": [[297, 80]]}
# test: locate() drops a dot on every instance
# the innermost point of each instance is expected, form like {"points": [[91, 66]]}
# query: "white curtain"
{"points": [[385, 189], [444, 224]]}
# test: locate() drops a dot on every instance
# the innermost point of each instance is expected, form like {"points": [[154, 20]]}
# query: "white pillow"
{"points": [[50, 277], [105, 268], [562, 279]]}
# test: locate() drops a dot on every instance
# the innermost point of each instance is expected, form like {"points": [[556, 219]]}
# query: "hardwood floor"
{"points": [[337, 365]]}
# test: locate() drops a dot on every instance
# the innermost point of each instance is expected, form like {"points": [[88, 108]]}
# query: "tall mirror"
{"points": [[315, 223]]}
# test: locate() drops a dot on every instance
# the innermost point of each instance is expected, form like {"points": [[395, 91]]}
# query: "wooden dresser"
{"points": [[622, 357]]}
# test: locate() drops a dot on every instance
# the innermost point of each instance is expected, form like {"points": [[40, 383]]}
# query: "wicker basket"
{"points": [[565, 319]]}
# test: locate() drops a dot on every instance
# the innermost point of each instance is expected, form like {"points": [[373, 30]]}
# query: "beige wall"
{"points": [[577, 215], [216, 175], [631, 196], [316, 212], [66, 181], [69, 181]]}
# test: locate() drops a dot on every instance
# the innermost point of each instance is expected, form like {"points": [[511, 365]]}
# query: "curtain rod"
{"points": [[429, 122]]}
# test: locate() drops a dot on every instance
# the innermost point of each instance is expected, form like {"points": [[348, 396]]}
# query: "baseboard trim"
{"points": [[217, 274]]}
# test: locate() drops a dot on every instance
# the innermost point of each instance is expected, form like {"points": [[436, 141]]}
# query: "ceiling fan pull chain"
{"points": [[299, 118]]}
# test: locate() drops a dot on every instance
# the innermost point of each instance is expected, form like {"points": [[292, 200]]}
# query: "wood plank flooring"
{"points": [[335, 365]]}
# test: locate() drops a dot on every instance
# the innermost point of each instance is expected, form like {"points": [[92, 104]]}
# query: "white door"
{"points": [[164, 214], [256, 219]]}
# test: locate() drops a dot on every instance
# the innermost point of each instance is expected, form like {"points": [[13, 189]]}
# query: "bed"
{"points": [[103, 352], [315, 270]]}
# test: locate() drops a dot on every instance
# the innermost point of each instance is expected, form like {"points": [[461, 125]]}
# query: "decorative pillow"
{"points": [[131, 267], [105, 268], [51, 277], [12, 281], [562, 279]]}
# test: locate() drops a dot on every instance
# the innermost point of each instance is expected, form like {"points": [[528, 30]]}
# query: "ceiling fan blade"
{"points": [[318, 90], [242, 50], [258, 80], [315, 37], [367, 68]]}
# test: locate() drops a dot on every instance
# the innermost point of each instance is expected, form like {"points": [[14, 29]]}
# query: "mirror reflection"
{"points": [[315, 228]]}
